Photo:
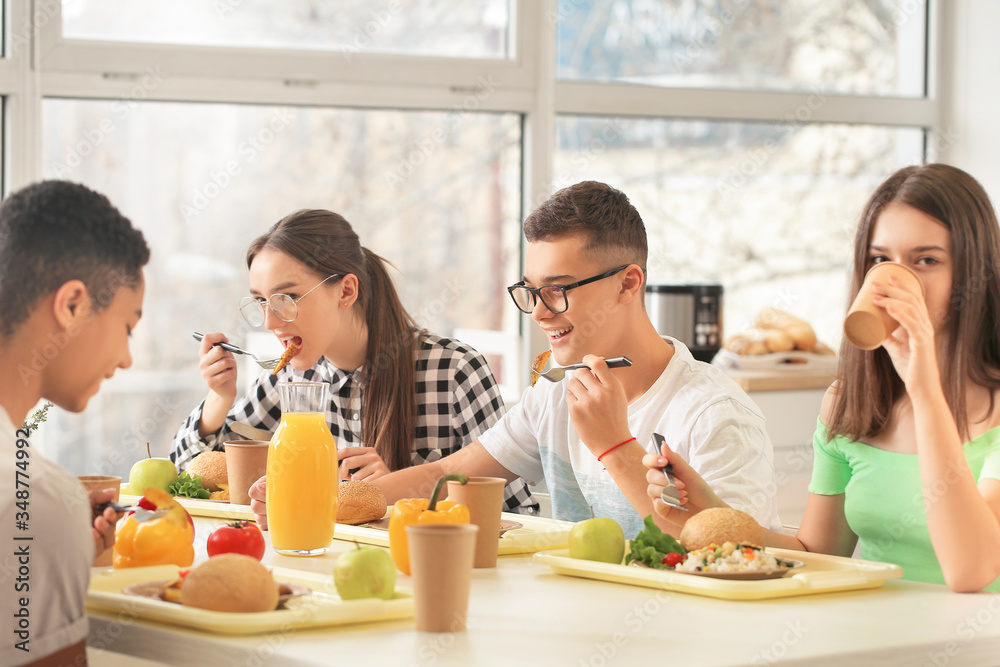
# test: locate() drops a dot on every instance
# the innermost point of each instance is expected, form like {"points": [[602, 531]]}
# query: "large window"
{"points": [[435, 193], [454, 28], [747, 132], [767, 210], [874, 47]]}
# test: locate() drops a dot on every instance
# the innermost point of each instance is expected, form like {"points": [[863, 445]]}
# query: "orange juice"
{"points": [[302, 484]]}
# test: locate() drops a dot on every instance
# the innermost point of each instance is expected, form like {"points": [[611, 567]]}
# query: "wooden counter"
{"points": [[781, 380]]}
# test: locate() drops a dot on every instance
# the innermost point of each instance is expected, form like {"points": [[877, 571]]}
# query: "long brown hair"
{"points": [[326, 244], [868, 385]]}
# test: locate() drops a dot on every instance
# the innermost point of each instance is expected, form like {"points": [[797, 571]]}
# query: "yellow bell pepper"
{"points": [[422, 511], [164, 541]]}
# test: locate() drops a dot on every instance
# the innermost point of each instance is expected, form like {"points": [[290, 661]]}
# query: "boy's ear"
{"points": [[71, 304], [348, 290], [632, 284]]}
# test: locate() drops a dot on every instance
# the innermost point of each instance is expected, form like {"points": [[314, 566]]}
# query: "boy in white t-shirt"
{"points": [[584, 283], [71, 291]]}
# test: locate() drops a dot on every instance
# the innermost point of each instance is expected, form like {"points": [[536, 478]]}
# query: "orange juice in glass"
{"points": [[302, 473]]}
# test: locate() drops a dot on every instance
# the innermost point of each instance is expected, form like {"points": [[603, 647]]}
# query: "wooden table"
{"points": [[522, 613]]}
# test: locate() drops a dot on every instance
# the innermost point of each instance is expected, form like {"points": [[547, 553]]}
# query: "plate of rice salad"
{"points": [[736, 561]]}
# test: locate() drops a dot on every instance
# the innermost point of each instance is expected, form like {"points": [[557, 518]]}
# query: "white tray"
{"points": [[790, 362]]}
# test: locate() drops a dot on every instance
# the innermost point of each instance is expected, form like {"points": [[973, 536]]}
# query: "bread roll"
{"points": [[798, 329], [230, 582], [719, 525], [360, 502], [749, 342], [776, 340], [211, 467]]}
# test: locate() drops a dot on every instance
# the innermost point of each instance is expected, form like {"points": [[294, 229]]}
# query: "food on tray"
{"points": [[151, 473], [538, 364], [290, 351], [365, 572], [211, 467], [241, 537], [422, 511], [360, 502], [162, 541], [600, 539], [189, 486], [774, 331], [219, 495], [230, 582], [719, 525], [731, 557], [654, 548]]}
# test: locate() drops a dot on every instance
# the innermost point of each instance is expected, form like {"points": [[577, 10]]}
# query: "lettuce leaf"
{"points": [[189, 486], [651, 545]]}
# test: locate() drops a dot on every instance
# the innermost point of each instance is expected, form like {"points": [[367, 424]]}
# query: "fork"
{"points": [[269, 364], [557, 373]]}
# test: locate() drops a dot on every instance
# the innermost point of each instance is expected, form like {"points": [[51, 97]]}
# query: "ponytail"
{"points": [[389, 406]]}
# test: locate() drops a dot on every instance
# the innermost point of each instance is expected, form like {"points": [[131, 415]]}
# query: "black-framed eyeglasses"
{"points": [[553, 296], [284, 306]]}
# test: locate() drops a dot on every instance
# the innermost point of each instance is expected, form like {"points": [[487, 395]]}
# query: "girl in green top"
{"points": [[908, 444]]}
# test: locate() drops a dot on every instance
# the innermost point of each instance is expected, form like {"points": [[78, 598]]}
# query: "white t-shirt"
{"points": [[43, 577], [705, 417]]}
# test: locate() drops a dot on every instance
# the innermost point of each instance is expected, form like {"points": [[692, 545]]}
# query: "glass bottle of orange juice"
{"points": [[302, 473]]}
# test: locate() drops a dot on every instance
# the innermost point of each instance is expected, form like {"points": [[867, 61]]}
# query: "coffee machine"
{"points": [[690, 313]]}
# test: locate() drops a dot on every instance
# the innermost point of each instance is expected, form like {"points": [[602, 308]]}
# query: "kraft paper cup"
{"points": [[246, 462], [441, 564], [484, 498], [99, 483], [866, 324]]}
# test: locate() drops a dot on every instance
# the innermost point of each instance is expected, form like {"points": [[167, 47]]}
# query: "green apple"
{"points": [[151, 473], [365, 572], [600, 539]]}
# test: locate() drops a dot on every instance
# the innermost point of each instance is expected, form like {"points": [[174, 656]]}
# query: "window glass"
{"points": [[435, 193], [767, 210], [876, 47], [461, 28]]}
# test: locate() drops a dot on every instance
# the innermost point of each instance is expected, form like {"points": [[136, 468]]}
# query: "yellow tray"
{"points": [[212, 509], [535, 534], [323, 607], [821, 574]]}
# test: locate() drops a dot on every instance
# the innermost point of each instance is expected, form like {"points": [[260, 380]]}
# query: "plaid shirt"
{"points": [[457, 400]]}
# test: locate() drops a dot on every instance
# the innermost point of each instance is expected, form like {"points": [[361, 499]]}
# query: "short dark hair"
{"points": [[613, 228], [55, 231]]}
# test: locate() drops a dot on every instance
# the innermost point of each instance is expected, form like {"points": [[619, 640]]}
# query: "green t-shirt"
{"points": [[883, 500]]}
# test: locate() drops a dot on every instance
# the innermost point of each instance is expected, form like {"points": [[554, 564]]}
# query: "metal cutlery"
{"points": [[670, 495], [140, 514], [557, 373], [269, 364]]}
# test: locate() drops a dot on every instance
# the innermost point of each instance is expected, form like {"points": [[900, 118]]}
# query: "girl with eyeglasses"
{"points": [[400, 396]]}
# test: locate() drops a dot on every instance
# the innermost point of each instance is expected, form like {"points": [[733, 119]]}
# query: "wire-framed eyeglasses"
{"points": [[553, 296], [283, 306]]}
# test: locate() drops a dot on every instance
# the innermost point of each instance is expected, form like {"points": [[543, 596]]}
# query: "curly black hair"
{"points": [[55, 231]]}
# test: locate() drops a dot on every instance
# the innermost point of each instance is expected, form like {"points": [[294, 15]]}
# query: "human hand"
{"points": [[217, 366], [103, 528], [911, 346], [366, 462], [597, 405], [258, 502], [694, 491]]}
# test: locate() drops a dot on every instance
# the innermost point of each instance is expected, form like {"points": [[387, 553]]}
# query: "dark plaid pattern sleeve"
{"points": [[458, 400]]}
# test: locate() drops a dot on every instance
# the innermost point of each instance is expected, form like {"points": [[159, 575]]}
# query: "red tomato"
{"points": [[240, 537], [672, 559]]}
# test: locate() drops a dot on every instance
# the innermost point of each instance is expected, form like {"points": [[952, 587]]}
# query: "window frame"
{"points": [[524, 83]]}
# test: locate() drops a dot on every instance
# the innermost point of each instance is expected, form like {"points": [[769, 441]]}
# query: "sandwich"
{"points": [[211, 468], [360, 502], [719, 525]]}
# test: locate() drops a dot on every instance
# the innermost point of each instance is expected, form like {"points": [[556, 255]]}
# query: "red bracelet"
{"points": [[614, 448]]}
